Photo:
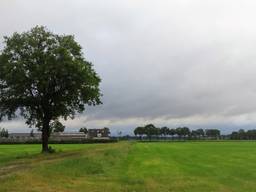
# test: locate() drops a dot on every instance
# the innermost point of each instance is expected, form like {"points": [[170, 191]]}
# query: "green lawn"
{"points": [[130, 166]]}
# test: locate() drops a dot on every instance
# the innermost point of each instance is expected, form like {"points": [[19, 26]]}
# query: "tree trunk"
{"points": [[45, 136]]}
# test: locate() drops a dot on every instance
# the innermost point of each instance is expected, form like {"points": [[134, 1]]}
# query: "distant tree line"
{"points": [[150, 131], [243, 135], [181, 132]]}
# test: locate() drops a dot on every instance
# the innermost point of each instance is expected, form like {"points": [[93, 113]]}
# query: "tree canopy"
{"points": [[44, 77]]}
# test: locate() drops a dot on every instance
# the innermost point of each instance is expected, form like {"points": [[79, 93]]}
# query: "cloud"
{"points": [[176, 62]]}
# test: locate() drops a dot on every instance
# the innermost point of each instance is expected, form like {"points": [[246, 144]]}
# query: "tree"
{"points": [[242, 134], [4, 132], [194, 133], [179, 131], [56, 127], [182, 131], [32, 133], [139, 131], [119, 133], [164, 131], [83, 130], [172, 132], [156, 131], [150, 130], [45, 76], [106, 131], [212, 133], [234, 135], [251, 134], [136, 131], [200, 133], [185, 131], [197, 133]]}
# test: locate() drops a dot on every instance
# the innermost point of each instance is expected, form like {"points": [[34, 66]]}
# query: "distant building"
{"points": [[98, 133], [68, 136], [24, 135], [62, 136]]}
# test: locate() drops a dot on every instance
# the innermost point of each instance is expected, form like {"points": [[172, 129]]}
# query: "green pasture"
{"points": [[130, 167]]}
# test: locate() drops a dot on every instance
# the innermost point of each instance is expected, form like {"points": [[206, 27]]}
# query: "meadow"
{"points": [[130, 166]]}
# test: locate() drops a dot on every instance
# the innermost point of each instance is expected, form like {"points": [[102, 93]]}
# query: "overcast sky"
{"points": [[175, 63]]}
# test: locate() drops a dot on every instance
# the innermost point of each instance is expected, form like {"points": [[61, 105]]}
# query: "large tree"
{"points": [[44, 77]]}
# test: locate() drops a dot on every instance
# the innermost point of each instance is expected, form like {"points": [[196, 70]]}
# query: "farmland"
{"points": [[130, 166]]}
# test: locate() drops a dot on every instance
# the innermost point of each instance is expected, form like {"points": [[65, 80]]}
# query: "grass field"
{"points": [[130, 166]]}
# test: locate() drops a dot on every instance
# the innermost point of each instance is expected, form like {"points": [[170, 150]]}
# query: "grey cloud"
{"points": [[158, 60]]}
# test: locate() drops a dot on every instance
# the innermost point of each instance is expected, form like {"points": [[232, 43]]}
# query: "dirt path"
{"points": [[28, 163], [40, 159]]}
